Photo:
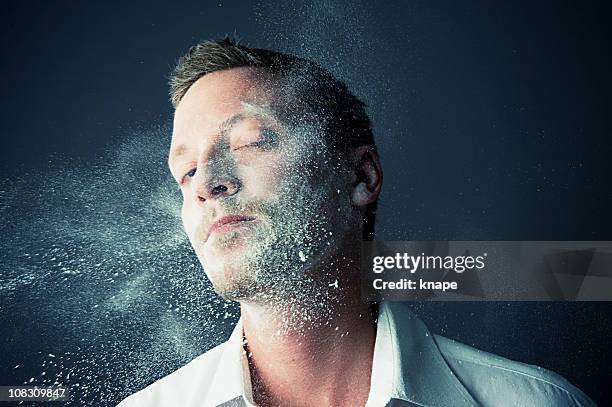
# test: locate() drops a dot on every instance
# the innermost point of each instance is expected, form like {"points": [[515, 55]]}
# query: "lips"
{"points": [[228, 222]]}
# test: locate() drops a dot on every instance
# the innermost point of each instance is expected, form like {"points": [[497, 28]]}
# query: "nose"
{"points": [[218, 188], [215, 176]]}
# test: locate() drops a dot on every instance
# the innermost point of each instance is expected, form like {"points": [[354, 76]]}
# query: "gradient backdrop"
{"points": [[492, 120]]}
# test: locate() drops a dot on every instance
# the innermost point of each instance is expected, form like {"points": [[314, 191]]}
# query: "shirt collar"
{"points": [[407, 366], [231, 384], [408, 358]]}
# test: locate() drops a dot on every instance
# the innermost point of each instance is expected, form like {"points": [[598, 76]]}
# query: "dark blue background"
{"points": [[493, 123]]}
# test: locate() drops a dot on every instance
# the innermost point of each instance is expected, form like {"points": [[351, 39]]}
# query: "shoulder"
{"points": [[494, 380], [190, 382]]}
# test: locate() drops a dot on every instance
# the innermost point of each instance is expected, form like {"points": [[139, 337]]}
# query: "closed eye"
{"points": [[269, 140], [253, 144]]}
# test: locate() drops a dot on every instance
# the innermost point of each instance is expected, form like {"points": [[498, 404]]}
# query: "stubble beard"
{"points": [[278, 265]]}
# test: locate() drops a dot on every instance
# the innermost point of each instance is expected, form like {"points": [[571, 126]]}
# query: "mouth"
{"points": [[229, 222]]}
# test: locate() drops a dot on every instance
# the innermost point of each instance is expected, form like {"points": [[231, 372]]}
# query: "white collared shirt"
{"points": [[411, 367]]}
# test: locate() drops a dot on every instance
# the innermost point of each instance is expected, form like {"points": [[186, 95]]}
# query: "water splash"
{"points": [[97, 271]]}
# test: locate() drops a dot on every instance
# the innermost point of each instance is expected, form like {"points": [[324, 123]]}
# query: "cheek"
{"points": [[262, 179], [189, 218]]}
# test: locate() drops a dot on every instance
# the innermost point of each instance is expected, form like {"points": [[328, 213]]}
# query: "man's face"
{"points": [[263, 200]]}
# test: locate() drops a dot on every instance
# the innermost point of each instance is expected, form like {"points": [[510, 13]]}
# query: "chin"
{"points": [[219, 254], [233, 283], [225, 266]]}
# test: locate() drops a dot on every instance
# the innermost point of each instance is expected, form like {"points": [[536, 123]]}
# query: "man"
{"points": [[280, 177]]}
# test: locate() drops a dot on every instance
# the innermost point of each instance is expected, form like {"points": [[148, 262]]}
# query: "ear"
{"points": [[367, 176]]}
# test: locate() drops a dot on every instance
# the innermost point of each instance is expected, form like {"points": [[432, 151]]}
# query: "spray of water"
{"points": [[96, 263]]}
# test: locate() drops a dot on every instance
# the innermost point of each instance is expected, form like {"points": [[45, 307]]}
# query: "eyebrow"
{"points": [[177, 151]]}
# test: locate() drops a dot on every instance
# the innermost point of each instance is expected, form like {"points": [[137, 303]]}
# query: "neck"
{"points": [[305, 352]]}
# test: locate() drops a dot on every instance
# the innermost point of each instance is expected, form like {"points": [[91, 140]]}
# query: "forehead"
{"points": [[217, 96]]}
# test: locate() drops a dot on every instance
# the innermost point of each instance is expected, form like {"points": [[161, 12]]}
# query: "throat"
{"points": [[318, 364]]}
